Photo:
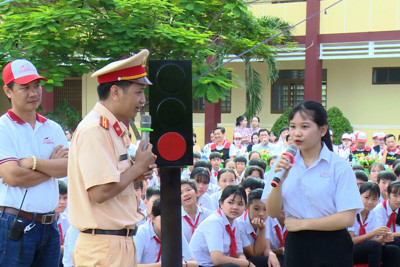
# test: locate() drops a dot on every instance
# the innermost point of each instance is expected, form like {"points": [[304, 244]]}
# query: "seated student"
{"points": [[256, 246], [258, 162], [253, 171], [276, 234], [201, 176], [254, 140], [192, 213], [254, 155], [240, 166], [61, 214], [369, 240], [395, 162], [71, 236], [148, 242], [373, 171], [225, 177], [384, 179], [230, 163], [139, 192], [152, 194], [252, 183], [396, 171], [212, 188], [361, 177], [186, 172], [216, 242], [357, 167], [387, 212], [215, 160]]}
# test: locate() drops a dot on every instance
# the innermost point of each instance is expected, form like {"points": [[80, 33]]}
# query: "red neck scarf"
{"points": [[194, 226], [279, 235], [392, 218], [159, 251], [362, 226], [233, 246]]}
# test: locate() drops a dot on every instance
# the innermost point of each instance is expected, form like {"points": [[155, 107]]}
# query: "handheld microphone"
{"points": [[145, 126], [290, 152]]}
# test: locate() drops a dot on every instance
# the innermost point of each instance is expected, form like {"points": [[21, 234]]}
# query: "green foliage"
{"points": [[282, 121], [72, 37], [66, 116], [338, 123], [254, 90]]}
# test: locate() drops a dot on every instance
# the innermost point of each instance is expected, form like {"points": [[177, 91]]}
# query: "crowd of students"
{"points": [[225, 221]]}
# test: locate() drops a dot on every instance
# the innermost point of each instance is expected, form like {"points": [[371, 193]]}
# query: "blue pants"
{"points": [[38, 247]]}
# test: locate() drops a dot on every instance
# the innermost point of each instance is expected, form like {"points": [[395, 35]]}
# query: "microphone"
{"points": [[145, 127], [290, 152]]}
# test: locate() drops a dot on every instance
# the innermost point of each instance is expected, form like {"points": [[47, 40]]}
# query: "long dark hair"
{"points": [[240, 119], [317, 113]]}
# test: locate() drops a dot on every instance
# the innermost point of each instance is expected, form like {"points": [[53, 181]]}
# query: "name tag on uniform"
{"points": [[123, 157]]}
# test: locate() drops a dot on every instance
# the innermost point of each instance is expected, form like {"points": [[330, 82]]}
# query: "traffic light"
{"points": [[170, 103]]}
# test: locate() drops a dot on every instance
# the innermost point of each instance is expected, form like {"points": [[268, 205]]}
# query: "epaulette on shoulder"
{"points": [[104, 123]]}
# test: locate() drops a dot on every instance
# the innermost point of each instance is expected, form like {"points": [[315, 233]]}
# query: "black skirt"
{"points": [[319, 249]]}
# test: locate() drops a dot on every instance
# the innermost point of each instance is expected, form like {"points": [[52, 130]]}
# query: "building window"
{"points": [[288, 90], [199, 104], [386, 76]]}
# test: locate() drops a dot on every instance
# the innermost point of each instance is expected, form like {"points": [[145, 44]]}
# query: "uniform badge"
{"points": [[104, 122], [117, 128]]}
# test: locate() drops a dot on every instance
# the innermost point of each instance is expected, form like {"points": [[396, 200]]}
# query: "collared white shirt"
{"points": [[205, 201], [69, 245], [214, 176], [201, 215], [382, 215], [212, 188], [271, 232], [215, 200], [19, 140], [211, 235], [370, 222], [247, 230], [326, 187], [147, 248]]}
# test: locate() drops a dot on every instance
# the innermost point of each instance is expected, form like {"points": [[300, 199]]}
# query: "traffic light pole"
{"points": [[171, 228]]}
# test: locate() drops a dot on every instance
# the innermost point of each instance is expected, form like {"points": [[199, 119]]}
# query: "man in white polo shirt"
{"points": [[32, 155]]}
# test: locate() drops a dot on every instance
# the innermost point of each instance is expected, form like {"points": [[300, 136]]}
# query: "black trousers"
{"points": [[319, 249], [374, 253]]}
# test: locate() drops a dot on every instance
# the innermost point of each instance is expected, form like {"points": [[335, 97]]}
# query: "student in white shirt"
{"points": [[369, 240], [201, 176], [225, 177], [152, 194], [276, 234], [256, 246], [387, 212], [384, 179], [216, 242], [212, 188], [192, 213], [318, 193], [148, 242], [374, 170]]}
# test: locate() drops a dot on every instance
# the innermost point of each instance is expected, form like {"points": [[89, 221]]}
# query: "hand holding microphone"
{"points": [[290, 153], [145, 127]]}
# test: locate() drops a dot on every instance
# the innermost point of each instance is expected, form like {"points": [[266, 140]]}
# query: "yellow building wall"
{"points": [[348, 16]]}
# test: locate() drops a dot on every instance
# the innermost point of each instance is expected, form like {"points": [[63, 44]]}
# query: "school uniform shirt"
{"points": [[63, 225], [369, 224], [69, 246], [215, 200], [383, 214], [213, 177], [98, 156], [19, 140], [275, 232], [185, 174], [148, 249], [205, 201], [326, 187], [212, 188], [153, 181], [211, 235], [247, 234], [189, 225]]}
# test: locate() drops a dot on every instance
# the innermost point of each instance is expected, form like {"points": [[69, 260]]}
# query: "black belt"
{"points": [[122, 232], [40, 217]]}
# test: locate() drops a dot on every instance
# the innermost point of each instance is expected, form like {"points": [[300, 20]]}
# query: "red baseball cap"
{"points": [[20, 71]]}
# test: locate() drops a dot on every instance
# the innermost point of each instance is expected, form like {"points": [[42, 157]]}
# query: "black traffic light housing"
{"points": [[170, 104]]}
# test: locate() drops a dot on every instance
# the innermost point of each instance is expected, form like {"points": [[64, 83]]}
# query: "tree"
{"points": [[77, 36], [282, 121], [338, 123]]}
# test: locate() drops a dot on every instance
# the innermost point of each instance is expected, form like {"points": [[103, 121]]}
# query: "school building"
{"points": [[347, 56]]}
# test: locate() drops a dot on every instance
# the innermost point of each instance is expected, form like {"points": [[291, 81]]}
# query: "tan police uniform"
{"points": [[98, 156]]}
